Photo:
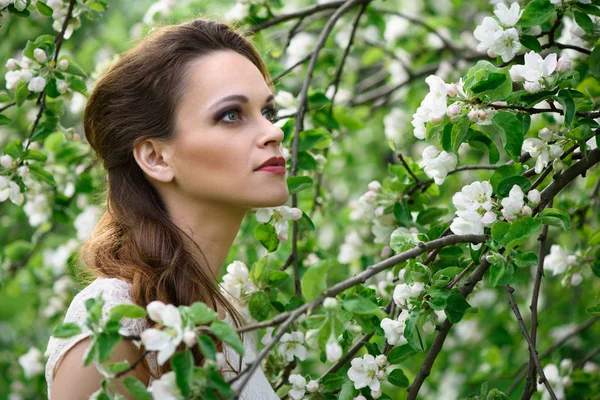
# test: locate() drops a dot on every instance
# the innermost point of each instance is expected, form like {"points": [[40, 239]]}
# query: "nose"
{"points": [[271, 134]]}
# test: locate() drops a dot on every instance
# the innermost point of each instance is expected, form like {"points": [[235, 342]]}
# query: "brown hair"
{"points": [[135, 240]]}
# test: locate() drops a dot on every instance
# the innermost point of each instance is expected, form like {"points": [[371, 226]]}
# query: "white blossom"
{"points": [[12, 64], [32, 362], [279, 216], [37, 84], [514, 202], [487, 33], [312, 386], [298, 386], [6, 161], [404, 292], [506, 46], [555, 381], [350, 249], [468, 223], [474, 196], [363, 372], [437, 164], [57, 259], [506, 16], [534, 69], [14, 77], [85, 222], [394, 329], [63, 64], [166, 387], [236, 282], [40, 55], [333, 350], [292, 346], [10, 190], [542, 152], [558, 260], [534, 197], [164, 341], [300, 45]]}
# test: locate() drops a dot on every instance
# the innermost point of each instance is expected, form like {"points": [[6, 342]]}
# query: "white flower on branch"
{"points": [[37, 84], [508, 16], [558, 260], [10, 190], [394, 329], [506, 46], [40, 55], [236, 282], [363, 372], [312, 386], [292, 346], [534, 70], [542, 152], [14, 77], [166, 387], [32, 362], [279, 216], [555, 381], [433, 106], [298, 386], [350, 249], [487, 33], [437, 164], [513, 203], [474, 196], [403, 293], [469, 223], [164, 341], [333, 350]]}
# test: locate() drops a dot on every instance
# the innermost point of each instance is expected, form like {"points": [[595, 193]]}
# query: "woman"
{"points": [[182, 123]]}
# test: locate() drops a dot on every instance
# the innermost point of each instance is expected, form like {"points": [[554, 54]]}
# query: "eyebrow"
{"points": [[239, 97]]}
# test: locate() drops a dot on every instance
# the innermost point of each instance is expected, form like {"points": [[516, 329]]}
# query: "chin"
{"points": [[274, 199]]}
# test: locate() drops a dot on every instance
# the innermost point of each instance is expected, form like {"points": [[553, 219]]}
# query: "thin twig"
{"points": [[532, 351]]}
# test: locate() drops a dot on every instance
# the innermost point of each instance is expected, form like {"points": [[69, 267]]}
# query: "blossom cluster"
{"points": [[544, 152], [498, 36], [279, 217]]}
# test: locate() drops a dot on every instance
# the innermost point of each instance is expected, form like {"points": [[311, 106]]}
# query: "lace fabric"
{"points": [[115, 291]]}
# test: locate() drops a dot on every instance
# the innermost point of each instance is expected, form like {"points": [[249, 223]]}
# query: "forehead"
{"points": [[220, 74]]}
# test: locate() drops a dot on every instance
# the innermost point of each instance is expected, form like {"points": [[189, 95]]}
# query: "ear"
{"points": [[154, 158]]}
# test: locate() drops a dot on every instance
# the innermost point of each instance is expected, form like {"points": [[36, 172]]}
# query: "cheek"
{"points": [[214, 159]]}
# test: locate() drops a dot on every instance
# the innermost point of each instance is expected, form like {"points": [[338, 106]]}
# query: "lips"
{"points": [[273, 162]]}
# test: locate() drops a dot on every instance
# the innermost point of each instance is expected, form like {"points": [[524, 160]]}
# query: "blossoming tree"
{"points": [[468, 268]]}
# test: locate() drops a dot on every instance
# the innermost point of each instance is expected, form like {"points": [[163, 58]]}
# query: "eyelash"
{"points": [[273, 110]]}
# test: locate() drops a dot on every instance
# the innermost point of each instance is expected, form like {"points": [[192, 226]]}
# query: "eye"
{"points": [[271, 113], [230, 116]]}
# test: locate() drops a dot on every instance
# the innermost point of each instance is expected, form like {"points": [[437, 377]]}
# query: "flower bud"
{"points": [[451, 89], [296, 213], [576, 279], [381, 360], [360, 397], [526, 211], [564, 64], [507, 216], [515, 76], [61, 86], [532, 87], [6, 161], [312, 386], [189, 338], [558, 165], [155, 310], [566, 364], [534, 197], [380, 374], [23, 171], [545, 134], [12, 64], [37, 84], [567, 381], [376, 393], [40, 55], [355, 328], [374, 186], [482, 114], [453, 110], [334, 351], [330, 304], [63, 65], [379, 211], [473, 115]]}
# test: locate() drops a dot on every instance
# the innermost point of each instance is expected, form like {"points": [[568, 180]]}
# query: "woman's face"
{"points": [[224, 132]]}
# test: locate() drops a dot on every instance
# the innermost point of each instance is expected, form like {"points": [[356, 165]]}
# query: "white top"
{"points": [[116, 291]]}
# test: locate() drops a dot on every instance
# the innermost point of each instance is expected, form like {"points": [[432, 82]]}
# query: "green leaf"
{"points": [[400, 353], [456, 307], [582, 132], [314, 138], [584, 21], [525, 259], [594, 310], [536, 13], [500, 230], [506, 185], [401, 241], [73, 68], [267, 236], [531, 42], [594, 63], [459, 132], [521, 230], [298, 183], [413, 332], [397, 378], [277, 278], [200, 314], [36, 155], [500, 274], [318, 100], [513, 131], [566, 100], [556, 217], [259, 306], [491, 82], [96, 6], [4, 97], [41, 174], [228, 335], [182, 364], [21, 93], [4, 120], [347, 392], [314, 280], [126, 311], [484, 81], [504, 172], [431, 215], [207, 346], [483, 142], [362, 306], [136, 388], [43, 9], [66, 330], [18, 250]]}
